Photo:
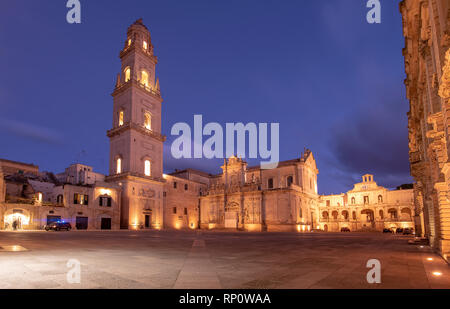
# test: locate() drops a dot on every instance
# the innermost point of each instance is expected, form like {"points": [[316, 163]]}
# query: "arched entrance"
{"points": [[368, 218], [232, 216], [16, 219]]}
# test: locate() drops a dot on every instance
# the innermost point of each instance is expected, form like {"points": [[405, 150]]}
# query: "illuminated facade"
{"points": [[426, 29], [30, 200], [254, 199], [367, 207], [136, 143]]}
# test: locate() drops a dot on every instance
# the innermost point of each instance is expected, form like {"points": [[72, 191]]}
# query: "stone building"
{"points": [[255, 199], [367, 207], [136, 143], [182, 193], [426, 26], [30, 200]]}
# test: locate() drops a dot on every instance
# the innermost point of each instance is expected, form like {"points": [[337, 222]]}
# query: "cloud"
{"points": [[31, 131], [373, 139]]}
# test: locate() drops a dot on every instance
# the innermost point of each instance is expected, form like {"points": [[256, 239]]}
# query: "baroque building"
{"points": [[367, 207], [426, 26], [138, 195]]}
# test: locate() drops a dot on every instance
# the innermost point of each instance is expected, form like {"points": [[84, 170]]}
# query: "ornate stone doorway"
{"points": [[232, 216]]}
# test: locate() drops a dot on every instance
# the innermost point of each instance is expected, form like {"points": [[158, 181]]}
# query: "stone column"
{"points": [[444, 216]]}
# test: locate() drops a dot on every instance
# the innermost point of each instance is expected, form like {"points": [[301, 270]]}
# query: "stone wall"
{"points": [[426, 29]]}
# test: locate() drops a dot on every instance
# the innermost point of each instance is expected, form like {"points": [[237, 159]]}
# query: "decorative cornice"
{"points": [[136, 127], [138, 85]]}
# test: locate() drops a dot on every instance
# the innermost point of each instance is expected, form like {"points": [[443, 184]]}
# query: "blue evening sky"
{"points": [[332, 81]]}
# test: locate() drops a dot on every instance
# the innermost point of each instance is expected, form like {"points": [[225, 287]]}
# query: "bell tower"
{"points": [[136, 142]]}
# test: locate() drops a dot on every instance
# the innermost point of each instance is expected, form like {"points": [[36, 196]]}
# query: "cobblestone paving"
{"points": [[175, 259]]}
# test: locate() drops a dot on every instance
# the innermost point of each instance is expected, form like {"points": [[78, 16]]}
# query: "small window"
{"points": [[164, 194], [380, 199], [186, 187], [145, 45], [174, 210], [185, 212], [127, 75], [366, 200], [270, 183], [328, 203], [60, 199], [121, 115], [353, 201], [174, 185], [148, 168], [147, 121], [290, 181], [119, 166], [129, 42]]}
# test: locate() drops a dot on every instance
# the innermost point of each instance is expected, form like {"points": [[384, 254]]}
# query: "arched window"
{"points": [[144, 78], [119, 166], [381, 214], [335, 215], [345, 214], [145, 45], [129, 42], [290, 180], [148, 168], [59, 199], [121, 116], [353, 201], [380, 199], [147, 121], [127, 74]]}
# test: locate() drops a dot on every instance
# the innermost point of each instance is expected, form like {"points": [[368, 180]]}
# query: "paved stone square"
{"points": [[194, 259]]}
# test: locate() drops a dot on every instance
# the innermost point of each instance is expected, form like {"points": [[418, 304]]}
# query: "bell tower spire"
{"points": [[136, 142]]}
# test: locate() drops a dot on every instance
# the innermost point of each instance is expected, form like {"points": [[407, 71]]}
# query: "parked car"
{"points": [[388, 231], [399, 230], [58, 226], [408, 231], [345, 229]]}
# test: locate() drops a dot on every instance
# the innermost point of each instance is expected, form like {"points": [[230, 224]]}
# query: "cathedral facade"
{"points": [[426, 25]]}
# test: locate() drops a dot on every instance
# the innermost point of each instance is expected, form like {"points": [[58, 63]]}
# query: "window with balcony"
{"points": [[144, 78], [105, 201], [80, 199]]}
